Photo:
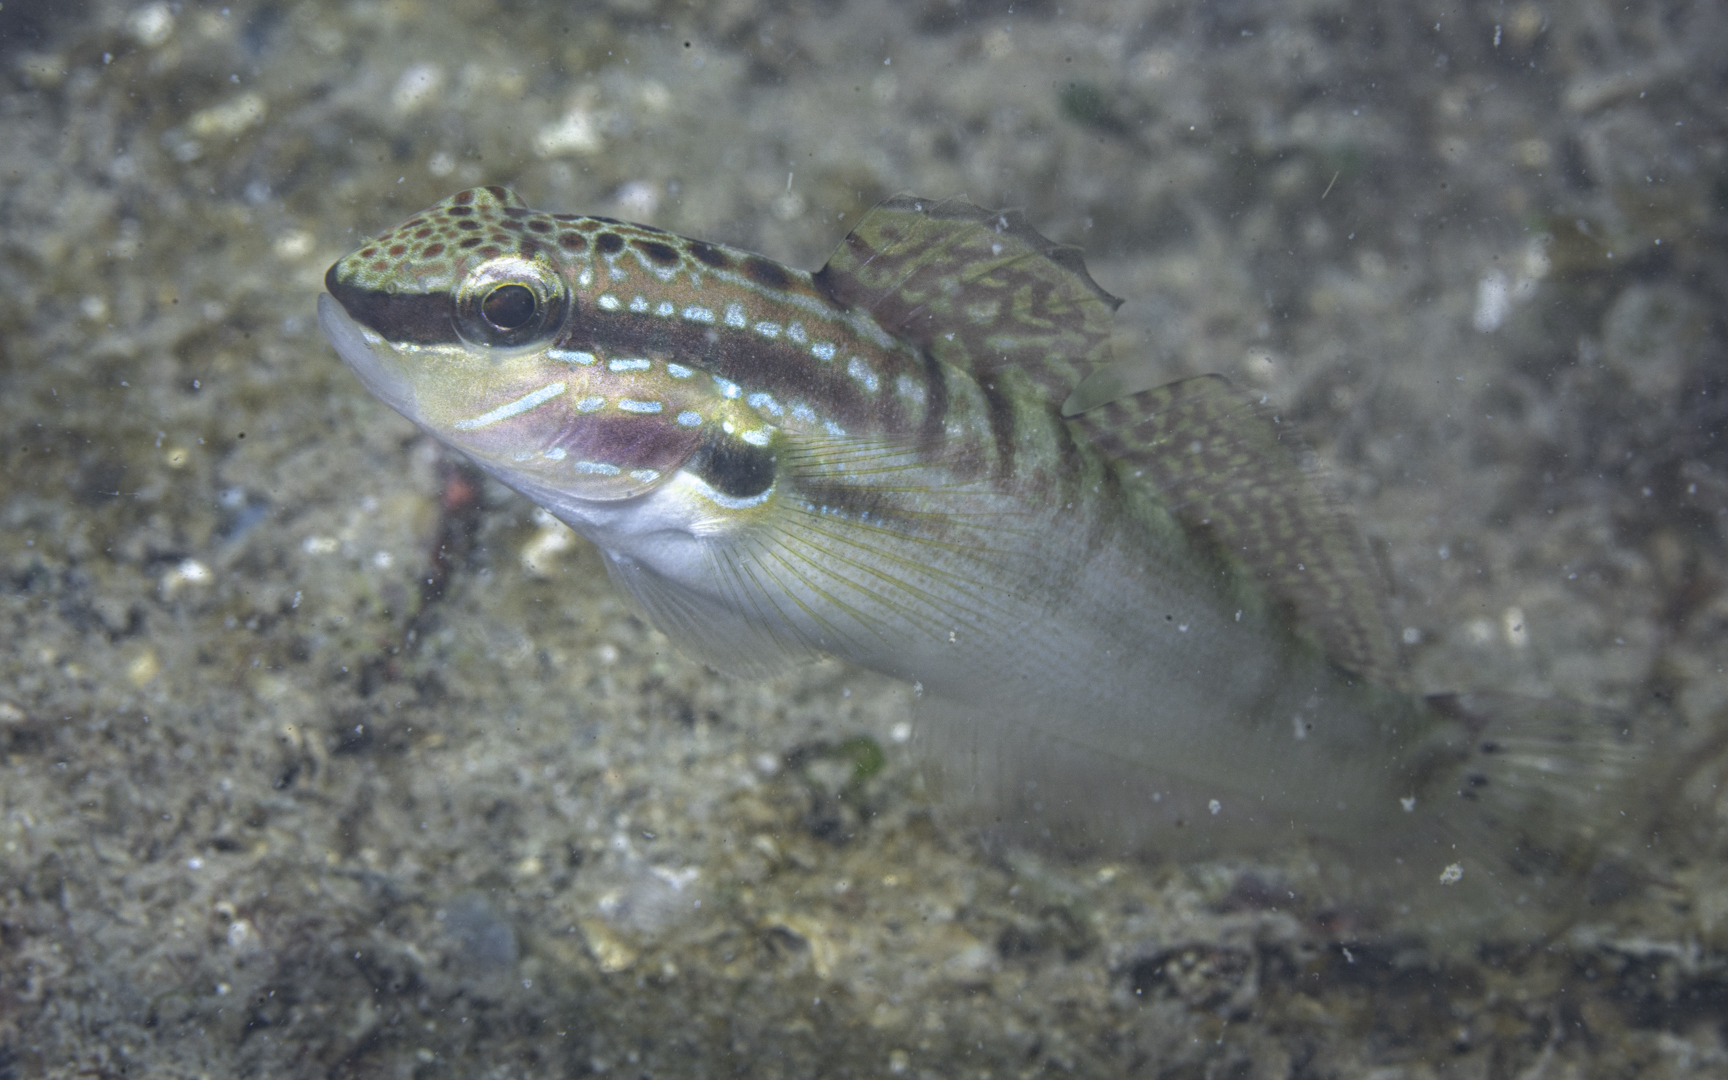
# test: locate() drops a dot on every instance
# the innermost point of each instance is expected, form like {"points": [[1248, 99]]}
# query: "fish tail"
{"points": [[1540, 801]]}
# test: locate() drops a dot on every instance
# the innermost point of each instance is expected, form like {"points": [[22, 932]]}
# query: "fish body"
{"points": [[1133, 620]]}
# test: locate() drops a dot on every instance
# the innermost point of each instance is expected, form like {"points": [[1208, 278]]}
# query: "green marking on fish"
{"points": [[1135, 621]]}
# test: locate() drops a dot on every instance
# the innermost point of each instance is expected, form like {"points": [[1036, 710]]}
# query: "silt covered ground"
{"points": [[322, 756]]}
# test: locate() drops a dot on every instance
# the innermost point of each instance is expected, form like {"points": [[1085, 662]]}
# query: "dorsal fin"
{"points": [[978, 289], [1232, 473]]}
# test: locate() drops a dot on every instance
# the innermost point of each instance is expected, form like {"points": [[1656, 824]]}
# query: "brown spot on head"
{"points": [[368, 252], [380, 265], [709, 254], [421, 234], [528, 249], [658, 253], [570, 241], [398, 250], [540, 225], [490, 251], [516, 211], [469, 224], [515, 226], [471, 242], [497, 192], [768, 274], [588, 224], [432, 251], [610, 242], [463, 198]]}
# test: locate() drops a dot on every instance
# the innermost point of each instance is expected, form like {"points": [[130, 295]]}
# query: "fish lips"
{"points": [[368, 359]]}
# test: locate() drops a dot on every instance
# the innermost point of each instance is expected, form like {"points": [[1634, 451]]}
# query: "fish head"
{"points": [[480, 320]]}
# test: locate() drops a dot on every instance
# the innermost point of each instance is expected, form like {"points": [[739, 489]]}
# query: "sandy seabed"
{"points": [[321, 756]]}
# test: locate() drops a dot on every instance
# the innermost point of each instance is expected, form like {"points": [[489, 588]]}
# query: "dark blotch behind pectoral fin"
{"points": [[979, 289], [1232, 474]]}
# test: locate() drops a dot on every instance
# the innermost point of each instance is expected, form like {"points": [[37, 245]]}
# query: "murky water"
{"points": [[324, 755]]}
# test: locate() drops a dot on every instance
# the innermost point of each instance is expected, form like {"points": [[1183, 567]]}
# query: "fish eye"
{"points": [[734, 468], [509, 307], [511, 302]]}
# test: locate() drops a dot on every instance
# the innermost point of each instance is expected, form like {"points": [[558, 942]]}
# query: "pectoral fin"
{"points": [[734, 641], [851, 555]]}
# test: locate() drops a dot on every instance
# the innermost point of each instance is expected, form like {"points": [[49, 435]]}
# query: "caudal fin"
{"points": [[1521, 816], [1539, 802], [1558, 776]]}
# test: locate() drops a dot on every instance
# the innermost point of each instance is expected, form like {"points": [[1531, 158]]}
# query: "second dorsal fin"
{"points": [[978, 289], [1232, 474]]}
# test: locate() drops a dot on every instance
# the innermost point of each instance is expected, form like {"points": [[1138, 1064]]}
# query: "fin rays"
{"points": [[981, 290], [821, 585], [1228, 473]]}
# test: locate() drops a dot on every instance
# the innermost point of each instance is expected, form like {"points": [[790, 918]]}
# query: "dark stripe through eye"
{"points": [[416, 318]]}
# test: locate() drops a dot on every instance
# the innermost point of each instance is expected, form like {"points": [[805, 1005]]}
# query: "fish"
{"points": [[1135, 620]]}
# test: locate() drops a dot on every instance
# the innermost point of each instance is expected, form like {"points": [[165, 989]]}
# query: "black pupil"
{"points": [[509, 307]]}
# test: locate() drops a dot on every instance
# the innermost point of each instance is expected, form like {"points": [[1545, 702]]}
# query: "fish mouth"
{"points": [[366, 358]]}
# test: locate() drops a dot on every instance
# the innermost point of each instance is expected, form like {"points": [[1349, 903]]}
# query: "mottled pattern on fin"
{"points": [[1232, 473], [978, 289]]}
